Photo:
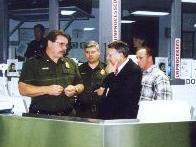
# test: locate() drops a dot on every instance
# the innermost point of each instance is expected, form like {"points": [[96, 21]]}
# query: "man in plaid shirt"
{"points": [[155, 84]]}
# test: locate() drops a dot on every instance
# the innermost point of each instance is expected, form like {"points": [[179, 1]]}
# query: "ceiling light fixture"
{"points": [[127, 21], [67, 12], [189, 1], [150, 13], [89, 29]]}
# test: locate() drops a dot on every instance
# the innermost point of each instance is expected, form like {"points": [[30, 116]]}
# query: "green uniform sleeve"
{"points": [[27, 73]]}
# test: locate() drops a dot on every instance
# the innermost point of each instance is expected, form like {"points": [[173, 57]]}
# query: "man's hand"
{"points": [[111, 67], [70, 90], [100, 91], [54, 90]]}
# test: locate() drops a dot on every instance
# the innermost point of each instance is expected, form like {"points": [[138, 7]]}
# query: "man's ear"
{"points": [[150, 59], [49, 43], [99, 53], [122, 55]]}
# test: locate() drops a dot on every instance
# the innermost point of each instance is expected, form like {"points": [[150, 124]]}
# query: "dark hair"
{"points": [[140, 36], [12, 64], [148, 51], [120, 46], [40, 26], [52, 36], [161, 64]]}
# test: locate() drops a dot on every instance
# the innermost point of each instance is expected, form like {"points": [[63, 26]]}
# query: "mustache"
{"points": [[62, 52]]}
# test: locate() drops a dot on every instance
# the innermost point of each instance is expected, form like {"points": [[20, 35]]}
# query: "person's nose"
{"points": [[90, 53]]}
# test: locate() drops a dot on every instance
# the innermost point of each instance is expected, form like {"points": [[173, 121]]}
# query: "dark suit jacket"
{"points": [[121, 100]]}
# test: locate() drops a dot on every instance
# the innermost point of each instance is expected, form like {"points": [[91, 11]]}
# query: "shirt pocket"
{"points": [[44, 76], [69, 76]]}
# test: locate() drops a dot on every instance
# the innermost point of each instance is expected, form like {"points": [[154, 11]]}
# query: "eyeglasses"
{"points": [[61, 44]]}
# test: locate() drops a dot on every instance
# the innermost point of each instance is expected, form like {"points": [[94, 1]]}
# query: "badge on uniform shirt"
{"points": [[102, 72], [45, 68], [67, 65]]}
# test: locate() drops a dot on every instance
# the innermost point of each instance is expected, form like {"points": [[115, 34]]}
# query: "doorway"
{"points": [[145, 26]]}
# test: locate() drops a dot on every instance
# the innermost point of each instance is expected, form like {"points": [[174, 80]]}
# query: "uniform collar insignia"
{"points": [[65, 62], [102, 72], [45, 68], [67, 65]]}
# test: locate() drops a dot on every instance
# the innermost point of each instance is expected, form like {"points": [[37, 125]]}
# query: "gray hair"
{"points": [[90, 44]]}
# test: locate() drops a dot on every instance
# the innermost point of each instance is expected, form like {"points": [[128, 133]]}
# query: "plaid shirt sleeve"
{"points": [[162, 88]]}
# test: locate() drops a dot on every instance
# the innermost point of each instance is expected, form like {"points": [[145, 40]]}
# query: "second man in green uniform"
{"points": [[93, 74]]}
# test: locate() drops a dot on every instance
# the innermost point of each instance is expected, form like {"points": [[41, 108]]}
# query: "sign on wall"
{"points": [[115, 20], [177, 57], [186, 68], [162, 64]]}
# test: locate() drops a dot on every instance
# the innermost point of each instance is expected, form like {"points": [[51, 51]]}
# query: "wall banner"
{"points": [[115, 20], [177, 57]]}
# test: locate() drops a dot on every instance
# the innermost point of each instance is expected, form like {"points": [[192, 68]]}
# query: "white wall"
{"points": [[180, 92], [186, 93]]}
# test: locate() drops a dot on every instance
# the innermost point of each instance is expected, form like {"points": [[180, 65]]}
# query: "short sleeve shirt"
{"points": [[93, 79], [42, 71]]}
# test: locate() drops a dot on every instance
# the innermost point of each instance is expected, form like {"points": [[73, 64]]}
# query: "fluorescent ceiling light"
{"points": [[189, 1], [150, 13], [67, 12], [194, 25], [88, 29], [127, 21]]}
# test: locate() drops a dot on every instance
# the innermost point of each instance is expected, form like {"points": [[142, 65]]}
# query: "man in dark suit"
{"points": [[122, 85]]}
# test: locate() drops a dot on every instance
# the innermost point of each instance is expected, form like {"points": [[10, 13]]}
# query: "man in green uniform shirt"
{"points": [[52, 80], [93, 74]]}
